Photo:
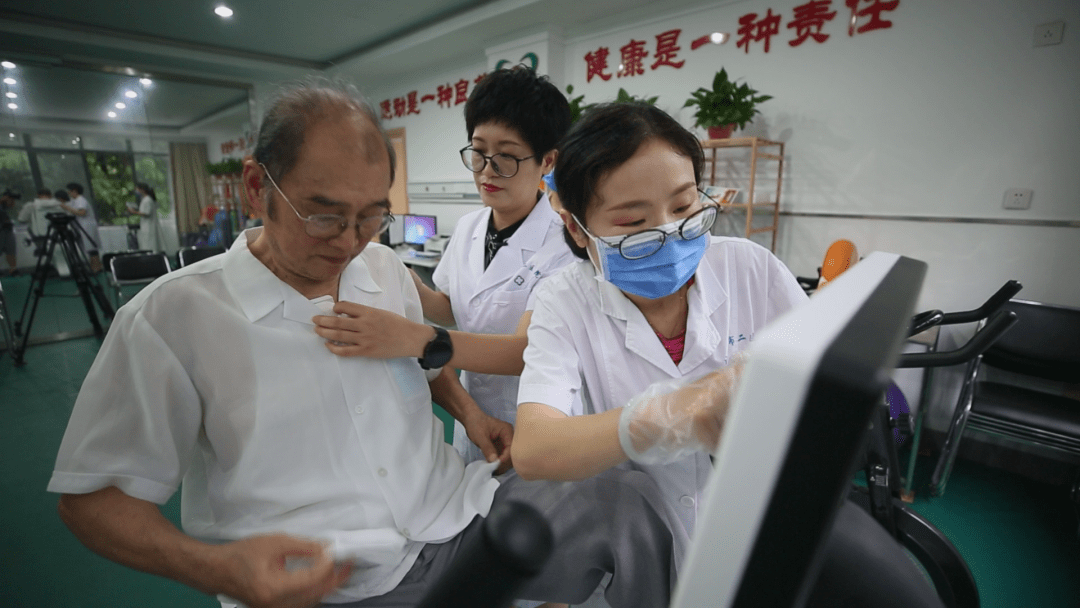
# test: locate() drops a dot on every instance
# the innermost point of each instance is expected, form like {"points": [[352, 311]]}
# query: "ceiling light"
{"points": [[223, 11], [7, 65], [13, 106], [120, 105], [9, 81], [718, 38], [130, 94], [146, 82], [11, 135], [11, 95], [112, 114]]}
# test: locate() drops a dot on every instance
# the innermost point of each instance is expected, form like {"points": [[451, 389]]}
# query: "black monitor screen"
{"points": [[792, 436], [419, 228]]}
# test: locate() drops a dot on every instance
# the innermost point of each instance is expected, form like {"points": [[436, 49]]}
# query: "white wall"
{"points": [[434, 136], [935, 116]]}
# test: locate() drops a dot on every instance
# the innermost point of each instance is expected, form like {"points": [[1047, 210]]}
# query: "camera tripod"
{"points": [[61, 233]]}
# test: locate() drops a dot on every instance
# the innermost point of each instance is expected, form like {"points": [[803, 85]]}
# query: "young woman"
{"points": [[149, 222], [497, 256], [653, 299]]}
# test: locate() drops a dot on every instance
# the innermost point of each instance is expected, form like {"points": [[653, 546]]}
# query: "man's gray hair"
{"points": [[299, 106]]}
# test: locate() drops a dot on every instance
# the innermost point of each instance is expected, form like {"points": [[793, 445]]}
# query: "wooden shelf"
{"points": [[755, 145]]}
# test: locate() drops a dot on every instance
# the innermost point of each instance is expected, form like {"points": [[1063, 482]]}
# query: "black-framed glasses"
{"points": [[647, 242], [329, 226], [503, 164]]}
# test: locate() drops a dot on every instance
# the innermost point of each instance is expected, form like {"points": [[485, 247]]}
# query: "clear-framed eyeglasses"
{"points": [[503, 164], [647, 242], [328, 226]]}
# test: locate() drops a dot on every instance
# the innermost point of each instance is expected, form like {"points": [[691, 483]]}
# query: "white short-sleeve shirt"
{"points": [[492, 301], [88, 221], [587, 338], [213, 375]]}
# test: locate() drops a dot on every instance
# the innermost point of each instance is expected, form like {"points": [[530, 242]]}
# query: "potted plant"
{"points": [[578, 106], [725, 106]]}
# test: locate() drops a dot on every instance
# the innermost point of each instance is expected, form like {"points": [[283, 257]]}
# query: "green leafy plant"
{"points": [[726, 103], [624, 97], [577, 106], [226, 167]]}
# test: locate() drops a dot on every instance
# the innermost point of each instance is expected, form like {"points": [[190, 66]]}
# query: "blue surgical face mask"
{"points": [[655, 276]]}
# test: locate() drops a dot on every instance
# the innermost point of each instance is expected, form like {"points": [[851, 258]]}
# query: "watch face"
{"points": [[438, 352]]}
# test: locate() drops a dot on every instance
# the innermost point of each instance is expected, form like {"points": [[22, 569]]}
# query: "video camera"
{"points": [[60, 218]]}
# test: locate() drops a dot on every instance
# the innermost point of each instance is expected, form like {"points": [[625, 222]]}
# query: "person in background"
{"points": [[7, 232], [84, 212], [150, 237], [655, 300], [35, 212]]}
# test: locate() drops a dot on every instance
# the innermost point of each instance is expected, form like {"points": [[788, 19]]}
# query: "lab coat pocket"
{"points": [[515, 298], [411, 383]]}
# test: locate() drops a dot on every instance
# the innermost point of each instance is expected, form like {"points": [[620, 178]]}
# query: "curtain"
{"points": [[191, 182]]}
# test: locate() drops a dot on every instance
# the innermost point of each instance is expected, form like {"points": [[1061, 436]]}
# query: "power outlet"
{"points": [[1018, 198], [1049, 33]]}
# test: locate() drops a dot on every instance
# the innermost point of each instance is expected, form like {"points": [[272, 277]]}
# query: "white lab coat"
{"points": [[150, 226], [586, 338], [492, 301]]}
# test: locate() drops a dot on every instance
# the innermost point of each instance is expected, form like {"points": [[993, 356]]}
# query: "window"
{"points": [[15, 173], [58, 169], [153, 169], [112, 179]]}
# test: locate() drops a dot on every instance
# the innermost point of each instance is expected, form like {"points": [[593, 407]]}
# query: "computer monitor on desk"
{"points": [[791, 439], [419, 228]]}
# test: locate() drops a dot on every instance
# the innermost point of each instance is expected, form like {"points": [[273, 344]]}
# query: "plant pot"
{"points": [[721, 132]]}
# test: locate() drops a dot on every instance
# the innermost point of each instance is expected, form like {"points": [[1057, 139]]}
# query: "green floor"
{"points": [[1018, 536]]}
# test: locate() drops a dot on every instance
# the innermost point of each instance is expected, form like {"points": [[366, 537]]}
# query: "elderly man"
{"points": [[214, 376], [36, 211]]}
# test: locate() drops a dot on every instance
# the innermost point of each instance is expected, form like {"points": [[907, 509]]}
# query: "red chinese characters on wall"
{"points": [[808, 22], [667, 47], [633, 55], [241, 144], [445, 95], [596, 63], [752, 29], [873, 10]]}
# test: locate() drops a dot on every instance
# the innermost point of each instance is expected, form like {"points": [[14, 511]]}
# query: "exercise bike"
{"points": [[883, 495]]}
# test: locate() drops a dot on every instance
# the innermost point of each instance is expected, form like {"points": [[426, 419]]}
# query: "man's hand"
{"points": [[493, 437], [372, 332], [279, 571]]}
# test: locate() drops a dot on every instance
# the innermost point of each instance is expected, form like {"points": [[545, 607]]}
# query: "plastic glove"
{"points": [[672, 419]]}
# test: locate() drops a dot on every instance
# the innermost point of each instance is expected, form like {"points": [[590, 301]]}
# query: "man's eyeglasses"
{"points": [[327, 226], [647, 242], [503, 164]]}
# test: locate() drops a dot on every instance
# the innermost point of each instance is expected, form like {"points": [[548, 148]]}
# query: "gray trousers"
{"points": [[616, 522]]}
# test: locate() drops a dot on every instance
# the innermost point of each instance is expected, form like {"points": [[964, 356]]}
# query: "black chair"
{"points": [[106, 260], [1031, 410], [136, 269], [190, 255]]}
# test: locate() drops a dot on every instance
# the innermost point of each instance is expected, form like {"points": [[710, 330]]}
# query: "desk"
{"points": [[422, 264]]}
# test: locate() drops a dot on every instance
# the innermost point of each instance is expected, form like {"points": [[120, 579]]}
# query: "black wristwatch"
{"points": [[438, 352]]}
